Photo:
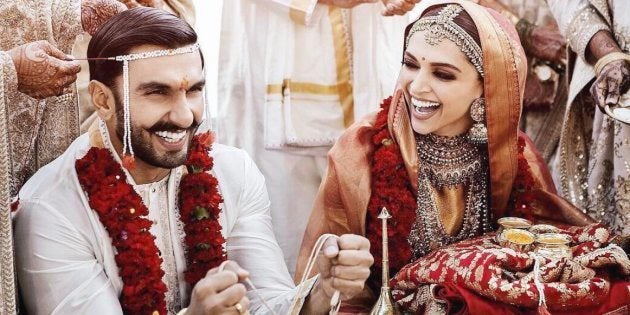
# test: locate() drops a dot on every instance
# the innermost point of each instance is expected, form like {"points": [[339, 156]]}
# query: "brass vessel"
{"points": [[518, 240], [554, 245]]}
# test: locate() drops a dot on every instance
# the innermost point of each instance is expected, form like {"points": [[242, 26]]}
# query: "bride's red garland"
{"points": [[391, 188], [122, 212]]}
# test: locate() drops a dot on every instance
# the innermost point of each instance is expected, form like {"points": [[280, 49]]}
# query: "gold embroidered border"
{"points": [[7, 274], [302, 88], [343, 65]]}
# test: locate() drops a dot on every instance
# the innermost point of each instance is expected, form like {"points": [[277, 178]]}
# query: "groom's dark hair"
{"points": [[133, 28]]}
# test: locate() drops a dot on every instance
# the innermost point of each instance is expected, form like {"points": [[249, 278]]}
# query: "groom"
{"points": [[139, 215]]}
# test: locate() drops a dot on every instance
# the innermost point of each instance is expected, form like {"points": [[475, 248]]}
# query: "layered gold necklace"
{"points": [[449, 162]]}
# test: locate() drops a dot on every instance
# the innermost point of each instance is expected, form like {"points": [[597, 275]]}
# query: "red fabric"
{"points": [[464, 301], [492, 279]]}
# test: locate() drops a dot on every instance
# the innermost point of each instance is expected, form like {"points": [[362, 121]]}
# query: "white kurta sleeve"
{"points": [[57, 270], [253, 246], [304, 12]]}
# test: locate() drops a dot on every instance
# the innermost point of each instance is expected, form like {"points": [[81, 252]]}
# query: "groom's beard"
{"points": [[143, 147]]}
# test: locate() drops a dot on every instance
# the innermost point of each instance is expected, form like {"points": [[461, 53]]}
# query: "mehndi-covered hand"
{"points": [[612, 82], [42, 70], [398, 7], [345, 3], [95, 12], [344, 265]]}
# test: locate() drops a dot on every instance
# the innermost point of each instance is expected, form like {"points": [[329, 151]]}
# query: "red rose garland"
{"points": [[199, 201], [521, 198], [122, 212], [391, 188]]}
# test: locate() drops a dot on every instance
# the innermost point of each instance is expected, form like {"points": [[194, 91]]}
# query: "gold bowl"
{"points": [[543, 228], [511, 223], [554, 245], [514, 223], [517, 239]]}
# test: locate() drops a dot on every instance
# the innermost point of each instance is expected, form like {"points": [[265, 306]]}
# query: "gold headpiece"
{"points": [[441, 26]]}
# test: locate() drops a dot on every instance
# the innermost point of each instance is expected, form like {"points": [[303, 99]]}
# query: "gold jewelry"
{"points": [[442, 26], [478, 133], [608, 58], [239, 308], [445, 162]]}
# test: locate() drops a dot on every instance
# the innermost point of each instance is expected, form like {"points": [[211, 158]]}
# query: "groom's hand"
{"points": [[220, 292]]}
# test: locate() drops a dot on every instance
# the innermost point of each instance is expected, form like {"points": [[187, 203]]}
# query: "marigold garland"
{"points": [[122, 212]]}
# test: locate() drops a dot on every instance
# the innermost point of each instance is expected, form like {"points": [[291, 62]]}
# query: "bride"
{"points": [[444, 155]]}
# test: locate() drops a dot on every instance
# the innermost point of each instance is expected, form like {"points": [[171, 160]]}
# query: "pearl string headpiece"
{"points": [[127, 148]]}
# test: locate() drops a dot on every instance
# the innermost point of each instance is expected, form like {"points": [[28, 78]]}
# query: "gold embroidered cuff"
{"points": [[613, 56], [582, 28]]}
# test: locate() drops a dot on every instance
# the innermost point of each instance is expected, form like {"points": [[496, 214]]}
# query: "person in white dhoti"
{"points": [[293, 75], [138, 216]]}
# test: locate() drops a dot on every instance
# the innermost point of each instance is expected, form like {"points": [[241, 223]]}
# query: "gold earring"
{"points": [[478, 134]]}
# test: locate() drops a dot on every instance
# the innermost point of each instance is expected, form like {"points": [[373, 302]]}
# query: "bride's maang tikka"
{"points": [[127, 154], [442, 26]]}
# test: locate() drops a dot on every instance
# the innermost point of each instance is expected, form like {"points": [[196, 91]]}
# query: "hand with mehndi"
{"points": [[611, 83], [42, 70], [346, 4], [398, 7], [95, 12]]}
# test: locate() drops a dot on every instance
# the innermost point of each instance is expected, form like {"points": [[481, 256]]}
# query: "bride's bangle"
{"points": [[608, 58]]}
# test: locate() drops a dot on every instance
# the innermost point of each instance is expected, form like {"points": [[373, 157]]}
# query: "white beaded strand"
{"points": [[127, 148], [126, 116]]}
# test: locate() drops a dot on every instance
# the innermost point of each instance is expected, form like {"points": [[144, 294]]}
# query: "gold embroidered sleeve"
{"points": [[7, 273], [65, 23], [585, 23]]}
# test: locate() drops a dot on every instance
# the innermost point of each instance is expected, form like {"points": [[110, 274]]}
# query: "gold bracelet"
{"points": [[608, 58], [183, 311]]}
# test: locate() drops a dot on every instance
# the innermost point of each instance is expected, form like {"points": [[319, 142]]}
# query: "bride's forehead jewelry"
{"points": [[442, 26], [128, 155]]}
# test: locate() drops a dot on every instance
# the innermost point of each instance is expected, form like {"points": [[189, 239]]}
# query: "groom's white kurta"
{"points": [[65, 258]]}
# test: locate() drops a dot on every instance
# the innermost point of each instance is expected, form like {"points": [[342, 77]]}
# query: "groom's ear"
{"points": [[103, 100]]}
